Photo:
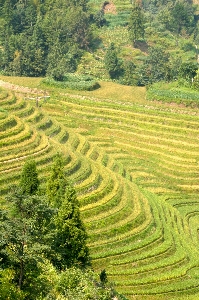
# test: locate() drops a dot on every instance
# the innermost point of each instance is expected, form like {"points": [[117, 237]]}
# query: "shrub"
{"points": [[74, 82]]}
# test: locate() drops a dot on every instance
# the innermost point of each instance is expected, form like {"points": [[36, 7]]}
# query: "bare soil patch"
{"points": [[21, 89], [109, 8]]}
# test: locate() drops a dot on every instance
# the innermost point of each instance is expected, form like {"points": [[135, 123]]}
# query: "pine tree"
{"points": [[57, 182], [69, 244], [29, 182], [136, 23], [111, 61]]}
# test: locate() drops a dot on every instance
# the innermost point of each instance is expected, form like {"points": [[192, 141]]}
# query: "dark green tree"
{"points": [[43, 37], [103, 277], [188, 70], [136, 23], [24, 239], [99, 18], [182, 16], [70, 241], [156, 67], [57, 182], [29, 182], [112, 63], [69, 244], [129, 74]]}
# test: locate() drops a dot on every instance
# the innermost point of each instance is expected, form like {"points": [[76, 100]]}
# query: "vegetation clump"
{"points": [[74, 82]]}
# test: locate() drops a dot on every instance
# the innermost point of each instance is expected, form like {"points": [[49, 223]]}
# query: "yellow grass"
{"points": [[107, 90], [32, 82]]}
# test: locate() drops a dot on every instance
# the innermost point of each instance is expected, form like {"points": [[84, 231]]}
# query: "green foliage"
{"points": [[58, 34], [9, 290], [56, 182], [24, 239], [129, 73], [76, 284], [29, 182], [69, 244], [72, 81], [182, 16], [54, 32], [136, 23], [156, 67], [103, 276], [31, 232], [99, 19], [70, 241], [112, 63], [188, 70]]}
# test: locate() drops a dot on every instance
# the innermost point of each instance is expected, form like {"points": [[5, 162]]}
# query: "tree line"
{"points": [[43, 37], [48, 38]]}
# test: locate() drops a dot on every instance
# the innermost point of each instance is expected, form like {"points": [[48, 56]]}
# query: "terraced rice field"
{"points": [[135, 166]]}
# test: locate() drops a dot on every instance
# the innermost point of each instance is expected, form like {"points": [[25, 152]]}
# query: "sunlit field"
{"points": [[135, 166]]}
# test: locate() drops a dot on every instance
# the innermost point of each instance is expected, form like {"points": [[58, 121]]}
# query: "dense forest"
{"points": [[52, 38]]}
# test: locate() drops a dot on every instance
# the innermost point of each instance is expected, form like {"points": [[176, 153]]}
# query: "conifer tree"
{"points": [[136, 23], [69, 244], [70, 241], [111, 61], [29, 182], [57, 182]]}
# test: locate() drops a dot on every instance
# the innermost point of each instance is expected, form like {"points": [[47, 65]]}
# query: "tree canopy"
{"points": [[136, 23], [37, 35], [38, 229], [29, 182], [69, 244]]}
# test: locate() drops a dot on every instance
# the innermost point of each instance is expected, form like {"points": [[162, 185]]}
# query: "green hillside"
{"points": [[134, 164], [113, 87], [152, 40]]}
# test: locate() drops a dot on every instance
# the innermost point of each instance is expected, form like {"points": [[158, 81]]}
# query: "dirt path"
{"points": [[21, 89]]}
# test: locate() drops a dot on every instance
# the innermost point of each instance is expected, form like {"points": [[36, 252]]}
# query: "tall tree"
{"points": [[69, 244], [129, 77], [188, 70], [70, 241], [24, 232], [156, 67], [56, 183], [182, 16], [112, 63], [29, 182], [136, 23]]}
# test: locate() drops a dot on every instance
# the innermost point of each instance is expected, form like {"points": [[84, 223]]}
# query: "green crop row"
{"points": [[7, 123]]}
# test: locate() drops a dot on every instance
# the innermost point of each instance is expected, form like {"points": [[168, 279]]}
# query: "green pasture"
{"points": [[134, 163]]}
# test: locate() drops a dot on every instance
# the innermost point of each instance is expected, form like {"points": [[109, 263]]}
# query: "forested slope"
{"points": [[133, 43]]}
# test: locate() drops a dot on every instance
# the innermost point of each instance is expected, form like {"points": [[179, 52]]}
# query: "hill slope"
{"points": [[135, 168]]}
